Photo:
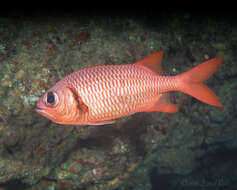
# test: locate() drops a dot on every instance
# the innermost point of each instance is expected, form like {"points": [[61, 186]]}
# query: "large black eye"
{"points": [[52, 99]]}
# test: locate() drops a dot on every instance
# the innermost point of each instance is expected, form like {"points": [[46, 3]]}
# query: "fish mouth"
{"points": [[39, 110], [44, 113]]}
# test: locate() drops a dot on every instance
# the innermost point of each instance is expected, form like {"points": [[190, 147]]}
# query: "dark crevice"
{"points": [[14, 185]]}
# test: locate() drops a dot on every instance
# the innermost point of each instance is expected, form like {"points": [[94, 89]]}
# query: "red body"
{"points": [[99, 94]]}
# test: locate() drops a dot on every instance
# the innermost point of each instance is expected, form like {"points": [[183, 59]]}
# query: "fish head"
{"points": [[58, 105]]}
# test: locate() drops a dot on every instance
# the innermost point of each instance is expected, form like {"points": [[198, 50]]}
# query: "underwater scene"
{"points": [[118, 101]]}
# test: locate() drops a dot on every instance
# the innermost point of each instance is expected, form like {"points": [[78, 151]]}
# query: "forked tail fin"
{"points": [[191, 82]]}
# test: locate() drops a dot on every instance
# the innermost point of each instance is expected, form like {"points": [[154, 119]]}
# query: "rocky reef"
{"points": [[195, 147]]}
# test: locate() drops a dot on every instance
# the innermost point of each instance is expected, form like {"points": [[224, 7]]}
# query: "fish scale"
{"points": [[133, 81]]}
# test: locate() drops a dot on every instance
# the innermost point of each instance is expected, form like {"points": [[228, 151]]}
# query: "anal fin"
{"points": [[163, 104]]}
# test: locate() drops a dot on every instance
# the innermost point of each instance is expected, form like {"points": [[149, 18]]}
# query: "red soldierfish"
{"points": [[98, 95]]}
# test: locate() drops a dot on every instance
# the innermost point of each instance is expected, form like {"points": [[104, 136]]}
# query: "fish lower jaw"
{"points": [[44, 113]]}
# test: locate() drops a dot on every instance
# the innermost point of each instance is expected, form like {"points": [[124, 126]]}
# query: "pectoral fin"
{"points": [[80, 104]]}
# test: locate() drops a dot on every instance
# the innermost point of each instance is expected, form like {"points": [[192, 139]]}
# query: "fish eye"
{"points": [[52, 99]]}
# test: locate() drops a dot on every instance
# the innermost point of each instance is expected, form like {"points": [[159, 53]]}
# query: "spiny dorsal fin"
{"points": [[153, 62]]}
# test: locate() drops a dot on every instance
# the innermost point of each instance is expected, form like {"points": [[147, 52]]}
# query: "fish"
{"points": [[101, 94]]}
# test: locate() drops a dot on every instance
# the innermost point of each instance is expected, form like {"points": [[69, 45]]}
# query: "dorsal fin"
{"points": [[153, 62]]}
